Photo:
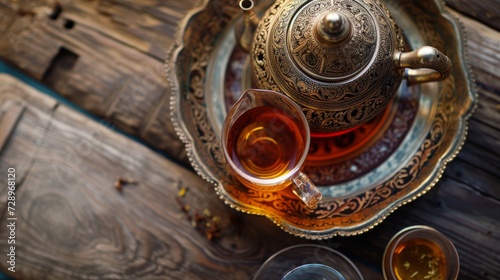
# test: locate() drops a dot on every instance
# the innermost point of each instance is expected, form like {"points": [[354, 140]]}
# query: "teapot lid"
{"points": [[332, 41]]}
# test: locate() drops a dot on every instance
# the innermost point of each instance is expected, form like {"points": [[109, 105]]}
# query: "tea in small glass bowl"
{"points": [[420, 253]]}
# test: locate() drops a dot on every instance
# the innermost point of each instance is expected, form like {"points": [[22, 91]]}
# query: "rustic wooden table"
{"points": [[108, 118]]}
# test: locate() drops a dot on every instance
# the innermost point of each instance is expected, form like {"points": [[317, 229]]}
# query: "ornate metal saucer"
{"points": [[365, 174]]}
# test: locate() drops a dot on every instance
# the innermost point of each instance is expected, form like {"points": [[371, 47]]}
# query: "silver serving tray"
{"points": [[393, 160]]}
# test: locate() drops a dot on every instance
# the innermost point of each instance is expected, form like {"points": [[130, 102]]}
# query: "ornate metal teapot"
{"points": [[342, 61]]}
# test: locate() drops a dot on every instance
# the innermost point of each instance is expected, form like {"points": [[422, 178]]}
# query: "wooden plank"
{"points": [[488, 111], [483, 44], [68, 164], [71, 218], [145, 25], [91, 64], [10, 112], [487, 12], [483, 179], [73, 222]]}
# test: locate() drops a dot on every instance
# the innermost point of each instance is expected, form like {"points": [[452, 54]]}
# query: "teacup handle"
{"points": [[438, 65], [305, 189]]}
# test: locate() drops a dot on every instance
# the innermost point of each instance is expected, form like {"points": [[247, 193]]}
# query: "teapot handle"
{"points": [[435, 65]]}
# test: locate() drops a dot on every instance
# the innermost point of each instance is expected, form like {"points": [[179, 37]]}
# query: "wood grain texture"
{"points": [[73, 224], [119, 47], [487, 12], [10, 112]]}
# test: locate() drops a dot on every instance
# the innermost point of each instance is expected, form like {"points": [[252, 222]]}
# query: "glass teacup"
{"points": [[308, 261], [265, 139], [313, 271], [420, 252]]}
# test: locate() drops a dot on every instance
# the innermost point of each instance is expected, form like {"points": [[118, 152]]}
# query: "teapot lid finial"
{"points": [[333, 28]]}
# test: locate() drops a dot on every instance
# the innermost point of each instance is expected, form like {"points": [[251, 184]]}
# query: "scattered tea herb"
{"points": [[206, 212], [120, 182], [204, 223], [23, 13], [182, 191]]}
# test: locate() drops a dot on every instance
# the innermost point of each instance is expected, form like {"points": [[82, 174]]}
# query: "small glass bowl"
{"points": [[413, 246], [310, 261]]}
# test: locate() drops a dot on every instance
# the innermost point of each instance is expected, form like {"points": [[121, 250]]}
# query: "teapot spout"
{"points": [[245, 28], [427, 64]]}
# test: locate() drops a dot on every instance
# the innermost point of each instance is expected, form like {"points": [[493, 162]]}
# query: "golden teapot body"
{"points": [[341, 61]]}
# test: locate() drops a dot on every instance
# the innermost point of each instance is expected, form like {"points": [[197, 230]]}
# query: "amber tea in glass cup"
{"points": [[265, 139], [420, 253]]}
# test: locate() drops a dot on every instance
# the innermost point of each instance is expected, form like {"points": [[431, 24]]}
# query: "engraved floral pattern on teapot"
{"points": [[342, 61]]}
